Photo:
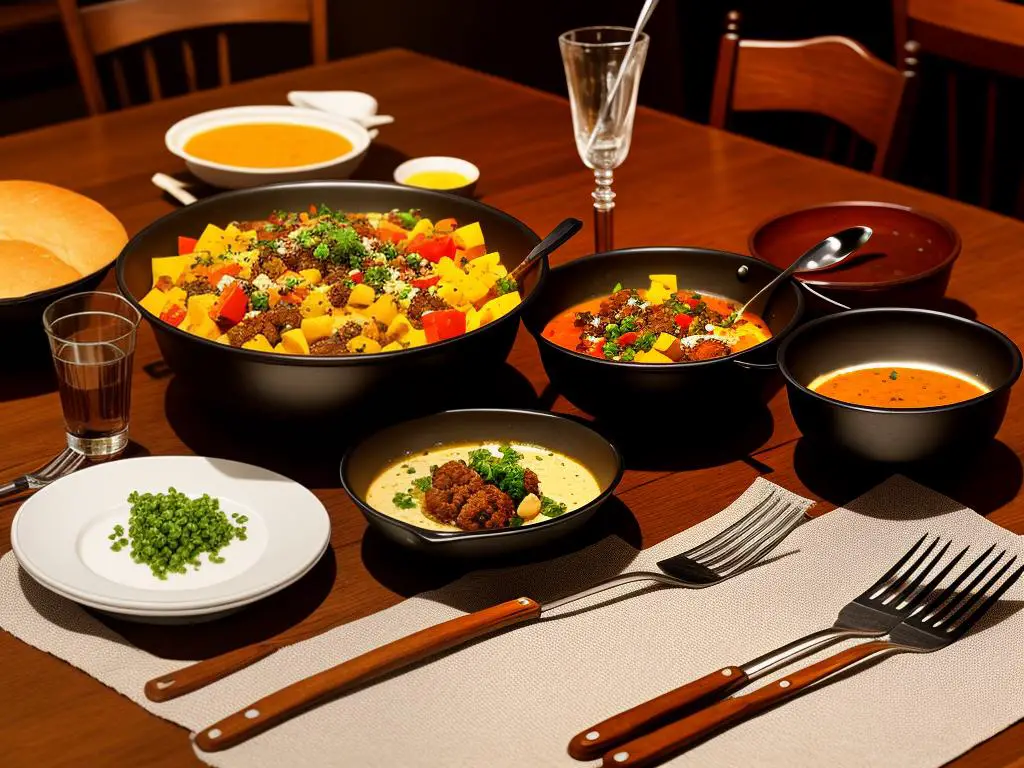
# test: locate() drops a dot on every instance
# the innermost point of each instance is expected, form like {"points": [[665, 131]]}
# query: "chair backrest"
{"points": [[987, 34], [105, 28], [830, 76]]}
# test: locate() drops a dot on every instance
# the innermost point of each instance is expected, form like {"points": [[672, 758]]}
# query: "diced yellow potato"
{"points": [[223, 339], [171, 266], [415, 338], [153, 302], [315, 305], [487, 278], [362, 345], [250, 236], [666, 281], [311, 276], [259, 343], [473, 290], [472, 320], [487, 261], [383, 309], [657, 294], [423, 227], [247, 261], [204, 327], [199, 307], [320, 327], [279, 348], [652, 356], [294, 342], [447, 269], [469, 236], [451, 293], [176, 296], [669, 346], [394, 346], [361, 296], [499, 271], [340, 311], [501, 305], [212, 240], [399, 327]]}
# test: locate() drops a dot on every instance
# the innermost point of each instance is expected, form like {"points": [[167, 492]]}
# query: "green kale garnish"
{"points": [[413, 260], [403, 501], [628, 324], [627, 355], [506, 472], [505, 285], [611, 349], [389, 251], [322, 252], [645, 341], [375, 277], [515, 522], [551, 508], [422, 484]]}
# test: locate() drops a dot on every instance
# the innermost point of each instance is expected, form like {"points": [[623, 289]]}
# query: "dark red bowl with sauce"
{"points": [[907, 262]]}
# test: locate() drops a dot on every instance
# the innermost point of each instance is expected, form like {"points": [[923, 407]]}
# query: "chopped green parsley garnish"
{"points": [[375, 277], [505, 285], [551, 508], [645, 341], [291, 283], [403, 501], [260, 301], [322, 252], [894, 375], [617, 288], [406, 219], [414, 260], [515, 522], [627, 355], [422, 484], [505, 472], [611, 349]]}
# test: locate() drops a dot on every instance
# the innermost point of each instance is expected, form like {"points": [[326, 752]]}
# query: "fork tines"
{"points": [[955, 609], [750, 538], [903, 587]]}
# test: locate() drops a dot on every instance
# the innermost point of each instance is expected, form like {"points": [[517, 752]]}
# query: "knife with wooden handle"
{"points": [[300, 696]]}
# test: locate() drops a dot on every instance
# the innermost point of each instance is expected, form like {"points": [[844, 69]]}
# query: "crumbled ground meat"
{"points": [[336, 275], [487, 508], [349, 331], [198, 287], [283, 317], [272, 267], [424, 302], [661, 319], [376, 330], [445, 504], [617, 303], [300, 259], [531, 482], [338, 295], [329, 346], [708, 349]]}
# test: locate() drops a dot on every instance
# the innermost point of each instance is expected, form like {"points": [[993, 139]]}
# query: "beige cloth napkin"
{"points": [[516, 699]]}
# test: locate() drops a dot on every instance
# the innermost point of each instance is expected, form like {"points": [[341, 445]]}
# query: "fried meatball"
{"points": [[487, 508], [328, 346], [424, 302], [531, 482], [338, 295], [198, 286], [282, 317], [453, 473], [243, 332], [452, 484], [708, 349]]}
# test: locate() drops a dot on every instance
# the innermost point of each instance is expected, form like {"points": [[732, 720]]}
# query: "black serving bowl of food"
{"points": [[615, 390], [574, 465], [295, 385], [899, 338]]}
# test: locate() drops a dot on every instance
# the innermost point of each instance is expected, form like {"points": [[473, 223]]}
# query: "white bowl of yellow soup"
{"points": [[250, 146], [449, 174]]}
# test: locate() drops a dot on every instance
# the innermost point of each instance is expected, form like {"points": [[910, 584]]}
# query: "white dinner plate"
{"points": [[60, 536]]}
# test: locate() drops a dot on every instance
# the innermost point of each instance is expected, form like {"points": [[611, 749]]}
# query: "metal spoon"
{"points": [[827, 253]]}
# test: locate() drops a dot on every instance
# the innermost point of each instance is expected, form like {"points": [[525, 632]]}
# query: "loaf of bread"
{"points": [[51, 236]]}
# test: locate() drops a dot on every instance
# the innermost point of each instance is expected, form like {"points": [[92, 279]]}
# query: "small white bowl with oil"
{"points": [[448, 174]]}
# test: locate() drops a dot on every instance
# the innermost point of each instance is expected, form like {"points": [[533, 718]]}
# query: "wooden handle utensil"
{"points": [[662, 744], [301, 696], [593, 742], [202, 673]]}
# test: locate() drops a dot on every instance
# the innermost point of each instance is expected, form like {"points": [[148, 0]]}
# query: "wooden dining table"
{"points": [[682, 184]]}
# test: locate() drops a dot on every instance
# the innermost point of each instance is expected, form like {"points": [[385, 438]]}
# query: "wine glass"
{"points": [[592, 57]]}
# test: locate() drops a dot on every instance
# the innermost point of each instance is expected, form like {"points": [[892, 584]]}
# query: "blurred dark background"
{"points": [[517, 40]]}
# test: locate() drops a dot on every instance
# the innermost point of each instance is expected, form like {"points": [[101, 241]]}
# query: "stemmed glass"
{"points": [[592, 57]]}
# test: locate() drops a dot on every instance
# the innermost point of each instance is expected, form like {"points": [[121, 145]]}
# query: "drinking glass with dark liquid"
{"points": [[92, 340]]}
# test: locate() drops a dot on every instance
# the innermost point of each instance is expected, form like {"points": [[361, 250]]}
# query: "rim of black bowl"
{"points": [[329, 360], [666, 367], [71, 287], [437, 537], [864, 285], [1011, 348]]}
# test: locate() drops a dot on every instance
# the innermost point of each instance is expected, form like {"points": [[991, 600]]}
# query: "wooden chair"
{"points": [[986, 34], [97, 30], [830, 76]]}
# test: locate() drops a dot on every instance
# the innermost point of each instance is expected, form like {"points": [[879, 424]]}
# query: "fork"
{"points": [[936, 619], [66, 462], [725, 555], [873, 613]]}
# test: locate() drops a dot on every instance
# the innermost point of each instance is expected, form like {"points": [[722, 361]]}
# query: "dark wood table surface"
{"points": [[683, 184]]}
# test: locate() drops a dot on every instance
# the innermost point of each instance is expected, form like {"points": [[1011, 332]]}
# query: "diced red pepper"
{"points": [[232, 305], [356, 277], [627, 338], [425, 282], [217, 273], [446, 226], [445, 324], [186, 245], [598, 349], [434, 249], [174, 314], [692, 303], [684, 320]]}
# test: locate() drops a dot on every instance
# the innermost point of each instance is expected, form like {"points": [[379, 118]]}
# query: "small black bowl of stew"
{"points": [[898, 384]]}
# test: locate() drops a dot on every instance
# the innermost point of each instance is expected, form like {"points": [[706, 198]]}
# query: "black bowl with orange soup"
{"points": [[897, 384]]}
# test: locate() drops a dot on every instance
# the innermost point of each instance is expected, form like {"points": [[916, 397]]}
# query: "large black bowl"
{"points": [[363, 463], [891, 335], [287, 385], [615, 390]]}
